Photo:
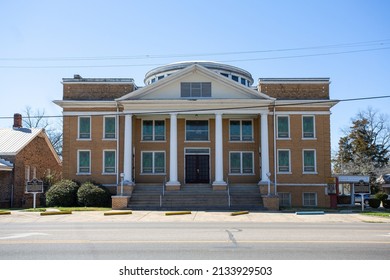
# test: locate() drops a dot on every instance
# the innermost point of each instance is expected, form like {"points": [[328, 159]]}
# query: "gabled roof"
{"points": [[13, 140], [187, 71]]}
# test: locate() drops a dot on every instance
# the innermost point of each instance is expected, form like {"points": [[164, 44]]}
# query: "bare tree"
{"points": [[37, 119]]}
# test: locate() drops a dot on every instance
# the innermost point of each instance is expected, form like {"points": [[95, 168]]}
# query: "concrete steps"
{"points": [[196, 197]]}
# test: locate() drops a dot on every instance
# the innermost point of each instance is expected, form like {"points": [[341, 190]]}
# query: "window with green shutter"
{"points": [[109, 162], [84, 162], [283, 127], [109, 128], [84, 127], [284, 161], [308, 126], [309, 164]]}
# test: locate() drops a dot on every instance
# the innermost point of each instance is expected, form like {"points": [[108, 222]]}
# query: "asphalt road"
{"points": [[118, 240]]}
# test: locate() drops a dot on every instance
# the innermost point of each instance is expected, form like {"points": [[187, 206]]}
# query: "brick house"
{"points": [[25, 154], [201, 124]]}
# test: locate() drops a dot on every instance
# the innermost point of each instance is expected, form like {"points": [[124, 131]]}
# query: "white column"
{"points": [[264, 147], [218, 151], [128, 150], [173, 152]]}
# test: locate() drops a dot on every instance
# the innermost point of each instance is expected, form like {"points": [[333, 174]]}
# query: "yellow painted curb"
{"points": [[5, 213], [118, 213], [239, 213], [51, 213], [178, 213]]}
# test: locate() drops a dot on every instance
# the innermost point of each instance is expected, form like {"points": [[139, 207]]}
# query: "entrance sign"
{"points": [[331, 182], [362, 187]]}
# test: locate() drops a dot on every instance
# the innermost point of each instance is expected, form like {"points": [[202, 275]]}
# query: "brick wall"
{"points": [[95, 91]]}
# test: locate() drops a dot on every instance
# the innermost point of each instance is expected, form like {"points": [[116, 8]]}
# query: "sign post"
{"points": [[34, 186]]}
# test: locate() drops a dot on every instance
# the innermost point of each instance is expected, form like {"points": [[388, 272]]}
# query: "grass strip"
{"points": [[239, 213], [177, 213], [112, 213]]}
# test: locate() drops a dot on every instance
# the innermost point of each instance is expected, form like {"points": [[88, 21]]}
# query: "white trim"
{"points": [[153, 152], [104, 128], [85, 104], [78, 128], [78, 162], [301, 113], [241, 163], [289, 161], [104, 162], [277, 127], [314, 128], [315, 161]]}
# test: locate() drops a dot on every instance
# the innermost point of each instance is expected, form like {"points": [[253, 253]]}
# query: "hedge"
{"points": [[91, 195], [63, 193]]}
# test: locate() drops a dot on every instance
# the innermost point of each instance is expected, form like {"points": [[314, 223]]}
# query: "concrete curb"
{"points": [[239, 213], [178, 213], [113, 213], [5, 213], [52, 213]]}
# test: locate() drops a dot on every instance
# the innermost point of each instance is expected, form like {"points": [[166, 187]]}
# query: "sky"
{"points": [[45, 41]]}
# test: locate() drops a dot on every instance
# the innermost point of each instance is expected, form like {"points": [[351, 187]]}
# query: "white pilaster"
{"points": [[264, 148], [173, 179], [128, 150], [218, 151]]}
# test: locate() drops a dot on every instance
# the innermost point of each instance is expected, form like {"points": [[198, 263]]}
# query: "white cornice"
{"points": [[88, 104]]}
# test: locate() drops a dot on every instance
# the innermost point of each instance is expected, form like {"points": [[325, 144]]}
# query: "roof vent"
{"points": [[77, 76]]}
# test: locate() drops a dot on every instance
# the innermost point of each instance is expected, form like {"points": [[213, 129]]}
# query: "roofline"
{"points": [[98, 81], [294, 80], [86, 103]]}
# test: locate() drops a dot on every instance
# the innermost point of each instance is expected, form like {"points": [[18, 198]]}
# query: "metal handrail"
{"points": [[228, 191]]}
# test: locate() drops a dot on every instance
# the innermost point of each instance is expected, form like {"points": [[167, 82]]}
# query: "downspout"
{"points": [[275, 159], [117, 142]]}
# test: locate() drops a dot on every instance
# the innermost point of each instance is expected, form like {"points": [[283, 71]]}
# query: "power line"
{"points": [[193, 55], [230, 108]]}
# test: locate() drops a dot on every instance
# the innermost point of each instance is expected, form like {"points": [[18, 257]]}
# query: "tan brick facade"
{"points": [[296, 183]]}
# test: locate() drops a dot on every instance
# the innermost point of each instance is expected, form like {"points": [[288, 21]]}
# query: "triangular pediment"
{"points": [[169, 88]]}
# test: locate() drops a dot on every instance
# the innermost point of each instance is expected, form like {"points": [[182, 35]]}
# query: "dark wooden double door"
{"points": [[197, 169]]}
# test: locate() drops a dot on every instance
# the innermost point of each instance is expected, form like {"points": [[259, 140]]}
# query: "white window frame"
{"points": [[104, 162], [104, 128], [208, 131], [315, 199], [288, 125], [153, 163], [79, 126], [78, 163], [289, 199], [314, 128], [241, 120], [289, 161], [303, 161], [241, 163], [153, 131], [27, 173]]}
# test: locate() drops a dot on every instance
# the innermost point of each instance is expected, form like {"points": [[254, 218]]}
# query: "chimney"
{"points": [[17, 121]]}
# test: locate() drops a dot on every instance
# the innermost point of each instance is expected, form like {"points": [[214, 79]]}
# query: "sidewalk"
{"points": [[194, 217]]}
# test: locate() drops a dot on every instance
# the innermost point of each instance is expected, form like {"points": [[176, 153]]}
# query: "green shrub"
{"points": [[386, 203], [62, 193], [374, 202], [381, 196], [91, 195]]}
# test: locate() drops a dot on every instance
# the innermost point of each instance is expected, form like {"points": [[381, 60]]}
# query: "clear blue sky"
{"points": [[39, 37]]}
